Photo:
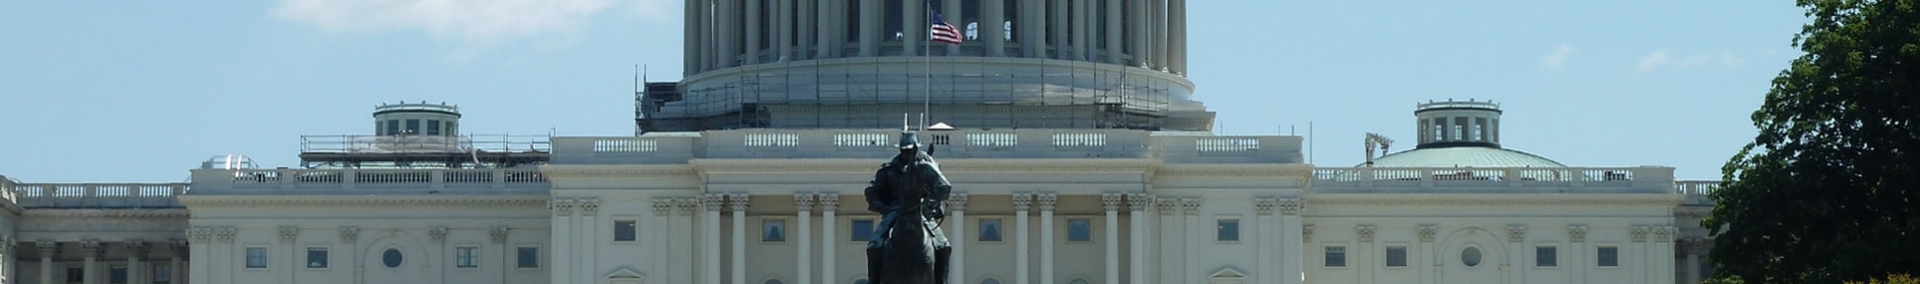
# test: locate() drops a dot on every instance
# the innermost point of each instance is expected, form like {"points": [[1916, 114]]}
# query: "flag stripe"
{"points": [[943, 32]]}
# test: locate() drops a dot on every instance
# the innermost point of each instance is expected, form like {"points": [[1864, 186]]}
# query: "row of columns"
{"points": [[716, 31], [93, 252]]}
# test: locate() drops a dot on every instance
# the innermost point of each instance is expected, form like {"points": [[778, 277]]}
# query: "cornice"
{"points": [[862, 166], [1238, 170], [256, 201], [620, 171], [105, 213], [1493, 199]]}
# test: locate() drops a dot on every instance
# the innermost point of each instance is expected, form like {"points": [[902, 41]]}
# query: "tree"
{"points": [[1829, 191]]}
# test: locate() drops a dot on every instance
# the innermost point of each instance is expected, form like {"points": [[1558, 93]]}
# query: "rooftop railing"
{"points": [[97, 195], [423, 143], [1634, 179], [1697, 190], [339, 181], [878, 144]]}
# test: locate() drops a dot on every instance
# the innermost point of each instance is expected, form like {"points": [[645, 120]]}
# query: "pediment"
{"points": [[625, 276], [1227, 274]]}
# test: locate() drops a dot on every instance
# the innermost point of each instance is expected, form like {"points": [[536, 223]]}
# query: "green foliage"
{"points": [[1829, 190], [1890, 279]]}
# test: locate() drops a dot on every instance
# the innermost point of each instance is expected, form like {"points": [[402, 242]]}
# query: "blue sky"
{"points": [[144, 91]]}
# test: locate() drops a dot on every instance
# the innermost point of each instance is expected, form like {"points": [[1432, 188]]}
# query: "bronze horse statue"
{"points": [[908, 246]]}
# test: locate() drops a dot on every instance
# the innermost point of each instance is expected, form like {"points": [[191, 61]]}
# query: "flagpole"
{"points": [[926, 61]]}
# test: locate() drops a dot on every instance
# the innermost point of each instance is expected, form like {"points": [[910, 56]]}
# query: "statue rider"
{"points": [[912, 169]]}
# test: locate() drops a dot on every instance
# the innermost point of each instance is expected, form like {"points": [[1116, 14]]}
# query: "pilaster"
{"points": [[957, 216], [1111, 203], [1021, 202], [1047, 202], [803, 207], [738, 203], [1137, 204], [829, 203]]}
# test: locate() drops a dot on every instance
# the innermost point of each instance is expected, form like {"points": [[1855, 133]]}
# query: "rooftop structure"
{"points": [[854, 64], [420, 135]]}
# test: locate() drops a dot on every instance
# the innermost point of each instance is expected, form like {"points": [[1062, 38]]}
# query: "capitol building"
{"points": [[1068, 128]]}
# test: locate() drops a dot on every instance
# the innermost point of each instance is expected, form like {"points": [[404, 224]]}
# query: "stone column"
{"points": [[1576, 255], [48, 248], [687, 237], [175, 268], [1191, 229], [1292, 240], [725, 31], [1137, 46], [690, 40], [828, 28], [660, 243], [1692, 247], [1172, 255], [1082, 40], [739, 206], [957, 17], [870, 23], [992, 26], [1020, 266], [1137, 236], [1033, 27], [753, 32], [783, 29], [1111, 202], [957, 215], [1177, 36], [1421, 262], [1158, 50], [586, 242], [828, 203], [1362, 258], [803, 207], [1059, 30], [1663, 254], [136, 250], [1263, 206], [91, 256], [562, 238], [711, 240], [913, 26], [1516, 241], [1047, 201], [1114, 28]]}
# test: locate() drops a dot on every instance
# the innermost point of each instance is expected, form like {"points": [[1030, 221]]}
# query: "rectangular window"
{"points": [[862, 230], [1609, 256], [1336, 256], [1227, 230], [466, 257], [433, 127], [989, 230], [1546, 256], [117, 274], [1079, 230], [529, 257], [624, 230], [413, 126], [393, 127], [773, 230], [1396, 256], [162, 274], [316, 257], [256, 257]]}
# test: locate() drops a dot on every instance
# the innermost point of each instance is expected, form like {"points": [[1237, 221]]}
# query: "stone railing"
{"points": [[97, 195], [337, 181], [877, 144], [1696, 191], [1634, 179]]}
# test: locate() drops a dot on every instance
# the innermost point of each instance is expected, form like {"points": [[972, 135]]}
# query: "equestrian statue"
{"points": [[907, 246]]}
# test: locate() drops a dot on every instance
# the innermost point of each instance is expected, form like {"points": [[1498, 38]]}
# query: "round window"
{"points": [[391, 258], [1470, 256]]}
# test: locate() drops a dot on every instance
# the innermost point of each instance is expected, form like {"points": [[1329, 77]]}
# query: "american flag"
{"points": [[943, 32]]}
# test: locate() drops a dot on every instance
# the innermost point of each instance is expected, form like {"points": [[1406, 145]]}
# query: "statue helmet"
{"points": [[908, 141]]}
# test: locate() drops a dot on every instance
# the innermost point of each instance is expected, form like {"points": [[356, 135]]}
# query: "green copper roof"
{"points": [[1465, 156]]}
